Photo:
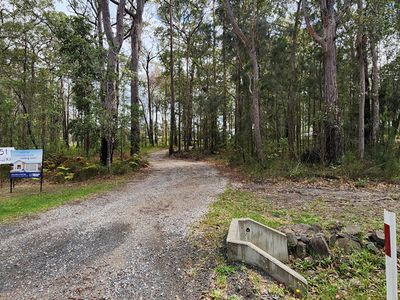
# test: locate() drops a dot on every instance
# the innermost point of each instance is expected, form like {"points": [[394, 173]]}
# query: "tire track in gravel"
{"points": [[126, 244]]}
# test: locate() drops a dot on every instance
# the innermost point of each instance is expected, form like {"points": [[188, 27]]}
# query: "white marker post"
{"points": [[391, 255]]}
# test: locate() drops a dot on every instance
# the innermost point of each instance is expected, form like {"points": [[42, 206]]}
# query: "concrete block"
{"points": [[261, 246]]}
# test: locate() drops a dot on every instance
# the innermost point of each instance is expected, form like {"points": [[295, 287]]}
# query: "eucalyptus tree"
{"points": [[114, 41], [146, 66], [191, 20], [293, 97], [330, 18], [135, 33], [171, 72], [361, 43], [379, 20]]}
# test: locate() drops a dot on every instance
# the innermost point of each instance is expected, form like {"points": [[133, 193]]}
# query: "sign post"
{"points": [[26, 164], [391, 255], [5, 158]]}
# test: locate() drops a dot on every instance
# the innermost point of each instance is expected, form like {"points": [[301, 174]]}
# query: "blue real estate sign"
{"points": [[26, 163]]}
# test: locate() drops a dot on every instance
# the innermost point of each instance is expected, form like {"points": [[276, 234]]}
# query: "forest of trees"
{"points": [[301, 79]]}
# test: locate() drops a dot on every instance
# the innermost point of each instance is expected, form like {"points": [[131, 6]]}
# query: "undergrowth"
{"points": [[61, 168], [379, 165]]}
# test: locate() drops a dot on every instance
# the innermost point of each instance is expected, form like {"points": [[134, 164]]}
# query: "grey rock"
{"points": [[304, 238], [347, 244], [371, 246], [337, 226], [318, 246], [301, 249], [315, 228], [332, 239], [352, 229], [378, 237], [291, 239]]}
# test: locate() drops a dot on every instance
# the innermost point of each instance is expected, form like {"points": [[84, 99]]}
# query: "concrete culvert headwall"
{"points": [[266, 248]]}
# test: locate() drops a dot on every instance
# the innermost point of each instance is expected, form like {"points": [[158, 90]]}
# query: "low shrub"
{"points": [[88, 172], [121, 168]]}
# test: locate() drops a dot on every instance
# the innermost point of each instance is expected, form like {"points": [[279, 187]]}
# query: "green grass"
{"points": [[20, 205], [359, 275], [223, 271]]}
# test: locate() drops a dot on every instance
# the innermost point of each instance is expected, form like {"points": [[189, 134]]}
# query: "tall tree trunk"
{"points": [[103, 79], [190, 107], [252, 52], [361, 74], [114, 46], [136, 32], [149, 100], [332, 147], [368, 98], [214, 101], [238, 102], [332, 127], [291, 116], [171, 72], [65, 122], [156, 124], [375, 92], [187, 102], [225, 86]]}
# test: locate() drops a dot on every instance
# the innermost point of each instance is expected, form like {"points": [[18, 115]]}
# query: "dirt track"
{"points": [[127, 244]]}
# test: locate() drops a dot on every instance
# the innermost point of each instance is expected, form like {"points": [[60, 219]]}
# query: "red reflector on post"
{"points": [[387, 241]]}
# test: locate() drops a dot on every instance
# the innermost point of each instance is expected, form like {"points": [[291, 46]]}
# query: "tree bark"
{"points": [[156, 124], [332, 147], [171, 72], [375, 92], [361, 74], [291, 115], [136, 32], [225, 87], [149, 100], [114, 46], [65, 121]]}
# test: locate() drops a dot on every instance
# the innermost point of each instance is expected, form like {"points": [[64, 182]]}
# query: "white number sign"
{"points": [[5, 155]]}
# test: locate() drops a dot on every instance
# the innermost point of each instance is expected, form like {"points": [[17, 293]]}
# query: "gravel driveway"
{"points": [[126, 244]]}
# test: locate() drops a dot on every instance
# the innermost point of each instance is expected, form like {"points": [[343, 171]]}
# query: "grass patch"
{"points": [[359, 275], [239, 204], [223, 271], [304, 218], [20, 205]]}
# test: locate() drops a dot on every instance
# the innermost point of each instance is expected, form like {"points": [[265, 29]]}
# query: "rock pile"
{"points": [[310, 240]]}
